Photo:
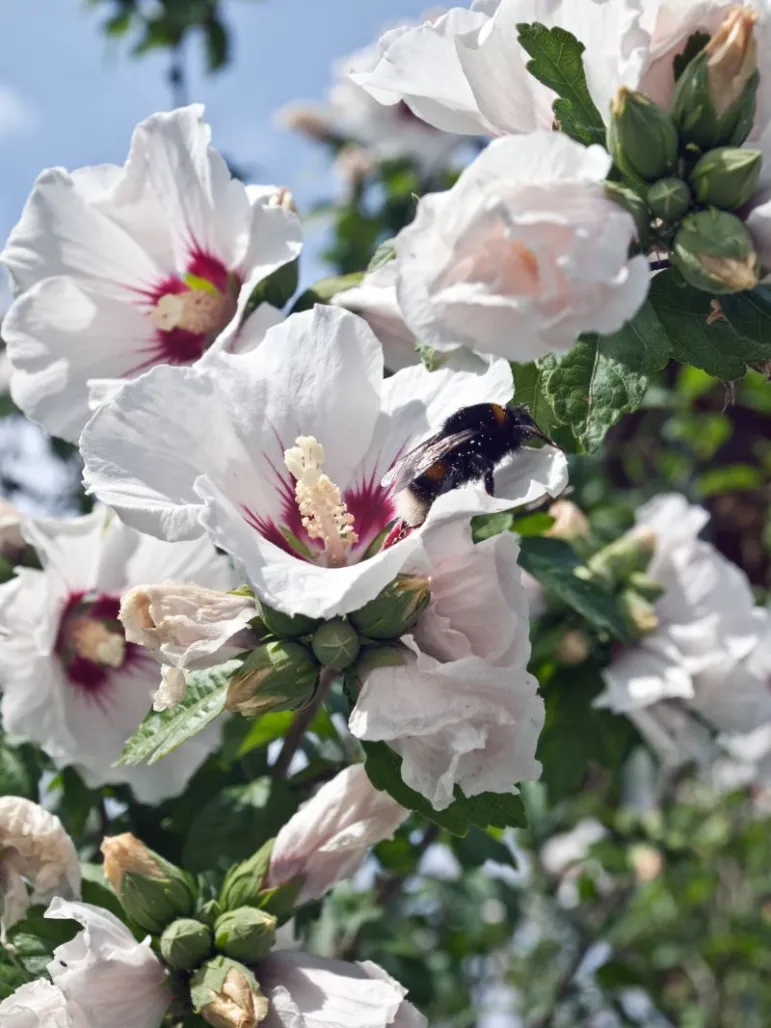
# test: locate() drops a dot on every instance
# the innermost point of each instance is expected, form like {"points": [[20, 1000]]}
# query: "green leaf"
{"points": [[478, 846], [383, 766], [16, 778], [11, 977], [323, 290], [385, 252], [96, 891], [749, 314], [721, 348], [277, 289], [576, 735], [530, 389], [235, 823], [554, 563], [264, 730], [162, 731], [217, 44], [603, 377], [36, 937], [557, 61]]}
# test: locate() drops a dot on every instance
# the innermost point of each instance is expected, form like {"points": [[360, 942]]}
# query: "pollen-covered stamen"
{"points": [[199, 308], [92, 639], [324, 514]]}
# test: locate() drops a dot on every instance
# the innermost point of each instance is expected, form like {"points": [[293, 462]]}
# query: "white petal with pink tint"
{"points": [[40, 1004], [312, 992], [111, 977], [328, 839]]}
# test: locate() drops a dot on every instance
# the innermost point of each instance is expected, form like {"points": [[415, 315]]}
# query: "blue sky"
{"points": [[69, 97]]}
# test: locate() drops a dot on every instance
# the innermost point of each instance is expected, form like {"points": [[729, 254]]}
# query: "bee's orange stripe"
{"points": [[437, 471], [499, 413]]}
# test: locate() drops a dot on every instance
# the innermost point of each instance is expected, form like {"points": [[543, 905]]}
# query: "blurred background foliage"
{"points": [[635, 895]]}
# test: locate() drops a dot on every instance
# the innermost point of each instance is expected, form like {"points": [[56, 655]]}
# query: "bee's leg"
{"points": [[490, 481]]}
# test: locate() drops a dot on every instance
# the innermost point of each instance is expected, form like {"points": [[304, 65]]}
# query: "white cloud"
{"points": [[17, 116]]}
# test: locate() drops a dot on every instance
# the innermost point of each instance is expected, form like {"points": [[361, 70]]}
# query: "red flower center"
{"points": [[90, 642]]}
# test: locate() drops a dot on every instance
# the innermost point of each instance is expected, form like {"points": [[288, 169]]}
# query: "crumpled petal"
{"points": [[112, 978], [463, 722], [33, 846], [329, 838], [311, 992], [40, 1004]]}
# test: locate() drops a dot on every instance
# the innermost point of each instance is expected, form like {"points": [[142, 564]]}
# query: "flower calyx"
{"points": [[153, 891], [278, 675]]}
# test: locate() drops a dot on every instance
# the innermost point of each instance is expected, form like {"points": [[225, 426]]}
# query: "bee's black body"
{"points": [[468, 447]]}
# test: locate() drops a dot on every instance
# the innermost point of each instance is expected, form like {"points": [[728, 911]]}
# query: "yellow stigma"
{"points": [[324, 513]]}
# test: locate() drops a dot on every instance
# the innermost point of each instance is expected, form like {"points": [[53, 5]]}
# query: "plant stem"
{"points": [[300, 725]]}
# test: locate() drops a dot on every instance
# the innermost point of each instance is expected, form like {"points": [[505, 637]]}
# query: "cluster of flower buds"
{"points": [[215, 945], [282, 673], [685, 173]]}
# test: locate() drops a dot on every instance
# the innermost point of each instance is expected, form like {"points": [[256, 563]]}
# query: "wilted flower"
{"points": [[329, 837], [120, 269], [71, 680], [707, 628], [186, 627], [40, 1004], [523, 254], [226, 995], [153, 891], [351, 113], [106, 973], [184, 451], [34, 848], [461, 709]]}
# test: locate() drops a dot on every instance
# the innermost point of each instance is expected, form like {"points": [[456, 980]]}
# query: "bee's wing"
{"points": [[419, 460]]}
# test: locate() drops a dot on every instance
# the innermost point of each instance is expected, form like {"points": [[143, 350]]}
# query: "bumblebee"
{"points": [[467, 448]]}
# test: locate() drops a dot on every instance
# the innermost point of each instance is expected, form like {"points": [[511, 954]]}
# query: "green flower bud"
{"points": [[714, 100], [713, 251], [638, 612], [209, 912], [395, 610], [669, 198], [726, 177], [245, 934], [281, 900], [226, 995], [336, 644], [153, 891], [646, 587], [634, 204], [185, 944], [642, 138], [287, 626], [619, 560], [390, 654], [243, 882], [279, 675]]}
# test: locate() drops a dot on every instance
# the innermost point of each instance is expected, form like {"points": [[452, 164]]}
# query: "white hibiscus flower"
{"points": [[183, 451], [463, 709], [352, 113], [105, 973], [120, 269], [329, 838], [706, 649], [466, 72], [70, 681], [34, 849], [523, 254]]}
